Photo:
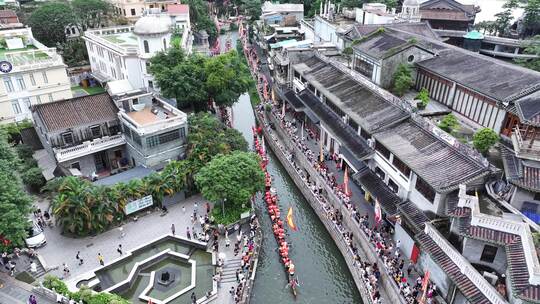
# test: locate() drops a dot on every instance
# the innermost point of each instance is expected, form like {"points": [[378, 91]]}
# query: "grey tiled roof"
{"points": [[79, 111], [434, 161], [519, 172], [498, 80], [361, 104], [528, 109]]}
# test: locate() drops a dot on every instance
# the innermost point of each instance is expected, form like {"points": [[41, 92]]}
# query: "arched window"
{"points": [[164, 44], [146, 47], [68, 31]]}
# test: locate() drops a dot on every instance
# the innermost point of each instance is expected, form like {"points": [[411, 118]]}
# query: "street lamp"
{"points": [[223, 206]]}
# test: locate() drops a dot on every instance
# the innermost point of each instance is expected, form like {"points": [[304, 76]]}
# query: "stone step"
{"points": [[228, 280]]}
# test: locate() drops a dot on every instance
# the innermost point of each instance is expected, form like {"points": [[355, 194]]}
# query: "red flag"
{"points": [[290, 220], [346, 188], [425, 283], [378, 212]]}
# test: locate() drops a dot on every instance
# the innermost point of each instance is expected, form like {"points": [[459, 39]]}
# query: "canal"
{"points": [[321, 269]]}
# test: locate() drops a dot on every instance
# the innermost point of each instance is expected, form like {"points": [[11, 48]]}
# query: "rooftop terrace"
{"points": [[150, 115]]}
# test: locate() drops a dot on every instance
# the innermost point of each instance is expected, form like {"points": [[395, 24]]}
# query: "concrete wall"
{"points": [[390, 65], [472, 251], [407, 243], [521, 195], [437, 275]]}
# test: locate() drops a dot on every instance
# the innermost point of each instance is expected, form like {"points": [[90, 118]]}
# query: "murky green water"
{"points": [[322, 272]]}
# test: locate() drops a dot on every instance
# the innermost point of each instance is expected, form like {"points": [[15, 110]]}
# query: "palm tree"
{"points": [[69, 206]]}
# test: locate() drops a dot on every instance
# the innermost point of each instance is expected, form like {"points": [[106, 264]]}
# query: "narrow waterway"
{"points": [[322, 272]]}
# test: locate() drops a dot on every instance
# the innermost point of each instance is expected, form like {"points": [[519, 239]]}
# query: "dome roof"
{"points": [[411, 3], [152, 24]]}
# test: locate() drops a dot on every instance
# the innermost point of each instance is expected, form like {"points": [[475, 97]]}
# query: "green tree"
{"points": [[74, 52], [449, 123], [14, 202], [502, 23], [487, 27], [532, 48], [209, 137], [227, 77], [181, 77], [49, 21], [532, 18], [235, 177], [33, 177], [251, 8], [484, 139], [90, 13], [347, 53], [402, 79], [200, 18], [423, 96]]}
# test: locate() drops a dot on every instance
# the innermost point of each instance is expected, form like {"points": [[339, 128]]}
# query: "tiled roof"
{"points": [[437, 163], [374, 185], [416, 217], [519, 172], [361, 104], [379, 45], [515, 256], [7, 14], [419, 28], [80, 111], [506, 82], [528, 109], [435, 14], [465, 285], [344, 133]]}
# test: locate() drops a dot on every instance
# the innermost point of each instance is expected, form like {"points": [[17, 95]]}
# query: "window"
{"points": [[152, 141], [127, 130], [182, 133], [163, 138], [132, 12], [137, 138], [125, 12], [410, 58], [380, 173], [68, 138], [50, 97], [488, 254], [27, 103], [536, 197], [96, 131], [146, 47], [38, 99], [16, 107], [425, 189], [364, 134], [150, 84], [20, 83], [8, 84], [393, 186], [382, 149], [353, 124], [45, 79], [401, 166], [164, 44], [32, 80], [147, 64], [113, 130], [76, 166], [135, 101]]}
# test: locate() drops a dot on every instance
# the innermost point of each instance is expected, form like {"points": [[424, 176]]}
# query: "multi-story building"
{"points": [[105, 134], [134, 9], [287, 14], [124, 52], [448, 14], [31, 74], [155, 131], [82, 133]]}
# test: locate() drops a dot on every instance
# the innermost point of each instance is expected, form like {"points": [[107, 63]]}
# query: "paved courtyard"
{"points": [[61, 249]]}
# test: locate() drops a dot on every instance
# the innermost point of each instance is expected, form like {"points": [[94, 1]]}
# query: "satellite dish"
{"points": [[138, 107]]}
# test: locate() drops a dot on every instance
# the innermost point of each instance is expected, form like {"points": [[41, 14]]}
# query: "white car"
{"points": [[36, 237]]}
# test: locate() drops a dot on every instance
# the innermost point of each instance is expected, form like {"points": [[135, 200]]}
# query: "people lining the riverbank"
{"points": [[380, 239]]}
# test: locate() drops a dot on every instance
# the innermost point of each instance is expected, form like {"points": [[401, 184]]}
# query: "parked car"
{"points": [[36, 236]]}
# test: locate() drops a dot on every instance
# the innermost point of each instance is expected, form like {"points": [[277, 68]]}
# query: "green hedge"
{"points": [[84, 294]]}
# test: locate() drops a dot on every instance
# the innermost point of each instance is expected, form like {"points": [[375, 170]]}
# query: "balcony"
{"points": [[525, 144], [89, 147]]}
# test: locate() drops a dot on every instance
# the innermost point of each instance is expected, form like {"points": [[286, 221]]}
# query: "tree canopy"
{"points": [[402, 79], [533, 49], [90, 13], [49, 22], [484, 139], [14, 202], [234, 177], [193, 79]]}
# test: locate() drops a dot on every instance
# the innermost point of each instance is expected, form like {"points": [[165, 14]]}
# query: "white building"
{"points": [[134, 9], [282, 13], [374, 13], [31, 74], [123, 52]]}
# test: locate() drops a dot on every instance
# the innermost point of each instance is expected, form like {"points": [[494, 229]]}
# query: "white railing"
{"points": [[89, 147], [34, 59], [178, 118], [509, 226], [464, 266], [520, 145], [94, 35]]}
